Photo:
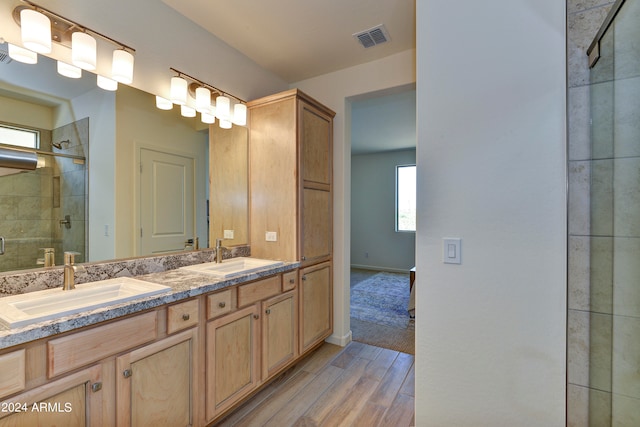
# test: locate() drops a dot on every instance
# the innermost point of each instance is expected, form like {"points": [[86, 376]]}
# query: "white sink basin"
{"points": [[25, 309], [233, 267]]}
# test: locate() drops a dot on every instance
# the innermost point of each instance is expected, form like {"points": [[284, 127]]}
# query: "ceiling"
{"points": [[297, 40]]}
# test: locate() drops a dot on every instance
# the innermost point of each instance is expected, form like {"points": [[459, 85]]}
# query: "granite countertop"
{"points": [[184, 284]]}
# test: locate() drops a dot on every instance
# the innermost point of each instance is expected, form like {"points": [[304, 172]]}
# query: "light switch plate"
{"points": [[451, 250], [271, 236], [228, 234]]}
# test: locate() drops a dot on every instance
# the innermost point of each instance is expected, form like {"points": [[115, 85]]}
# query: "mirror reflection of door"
{"points": [[167, 202]]}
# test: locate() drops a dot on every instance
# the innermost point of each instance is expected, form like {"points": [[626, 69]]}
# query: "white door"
{"points": [[167, 202]]}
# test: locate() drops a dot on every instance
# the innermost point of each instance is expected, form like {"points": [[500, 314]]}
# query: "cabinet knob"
{"points": [[127, 373], [186, 316], [256, 316], [96, 387], [222, 304], [292, 281], [268, 311], [304, 258], [304, 277]]}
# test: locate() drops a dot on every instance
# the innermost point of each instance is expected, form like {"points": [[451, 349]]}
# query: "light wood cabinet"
{"points": [[155, 383], [290, 169], [232, 359], [316, 314], [279, 332], [75, 400]]}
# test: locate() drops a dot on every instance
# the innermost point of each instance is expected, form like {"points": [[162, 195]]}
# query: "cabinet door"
{"points": [[316, 305], [232, 359], [315, 130], [70, 401], [316, 224], [279, 332], [155, 383]]}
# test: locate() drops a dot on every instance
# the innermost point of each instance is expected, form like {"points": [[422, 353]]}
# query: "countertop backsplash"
{"points": [[24, 281]]}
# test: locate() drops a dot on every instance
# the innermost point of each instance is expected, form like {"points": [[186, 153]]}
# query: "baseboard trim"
{"points": [[372, 268], [341, 341]]}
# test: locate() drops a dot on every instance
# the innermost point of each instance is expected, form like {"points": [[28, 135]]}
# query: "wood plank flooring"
{"points": [[358, 385]]}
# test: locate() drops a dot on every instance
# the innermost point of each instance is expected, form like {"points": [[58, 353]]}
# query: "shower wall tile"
{"points": [[601, 197], [626, 198], [581, 29], [579, 114], [588, 407], [626, 124], [578, 347], [627, 34], [574, 6], [579, 198], [625, 411], [8, 208], [601, 110], [600, 351], [579, 255], [626, 356], [626, 292], [601, 273]]}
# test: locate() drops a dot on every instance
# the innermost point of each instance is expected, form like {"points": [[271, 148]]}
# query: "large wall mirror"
{"points": [[119, 177]]}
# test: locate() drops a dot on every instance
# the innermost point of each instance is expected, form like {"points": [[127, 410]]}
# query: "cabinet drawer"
{"points": [[289, 280], [182, 316], [12, 372], [256, 291], [219, 303], [82, 348]]}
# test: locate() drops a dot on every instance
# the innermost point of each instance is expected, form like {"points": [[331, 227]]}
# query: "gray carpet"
{"points": [[379, 310]]}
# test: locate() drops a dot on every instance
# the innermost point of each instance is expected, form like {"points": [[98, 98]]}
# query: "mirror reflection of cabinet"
{"points": [[228, 186]]}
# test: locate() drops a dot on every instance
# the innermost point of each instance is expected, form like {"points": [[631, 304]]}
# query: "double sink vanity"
{"points": [[179, 340]]}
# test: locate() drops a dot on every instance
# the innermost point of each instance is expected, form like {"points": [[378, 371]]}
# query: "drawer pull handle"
{"points": [[222, 304], [96, 387], [268, 311], [185, 316], [127, 373]]}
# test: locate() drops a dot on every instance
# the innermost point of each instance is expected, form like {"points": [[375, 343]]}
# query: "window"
{"points": [[406, 198], [19, 137]]}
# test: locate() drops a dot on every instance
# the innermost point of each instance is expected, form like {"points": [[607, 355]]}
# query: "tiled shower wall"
{"points": [[33, 203], [604, 226]]}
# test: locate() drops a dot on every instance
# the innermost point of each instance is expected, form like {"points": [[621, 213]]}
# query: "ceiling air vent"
{"points": [[373, 36]]}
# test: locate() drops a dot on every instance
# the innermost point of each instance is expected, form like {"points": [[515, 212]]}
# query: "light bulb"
{"points": [[203, 99], [187, 111], [36, 31], [122, 66], [223, 108], [225, 124], [83, 51], [107, 83], [208, 117], [163, 103], [70, 71], [23, 55], [178, 90], [240, 114]]}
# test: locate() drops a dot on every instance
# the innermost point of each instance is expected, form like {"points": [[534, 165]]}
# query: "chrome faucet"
{"points": [[70, 269], [219, 249]]}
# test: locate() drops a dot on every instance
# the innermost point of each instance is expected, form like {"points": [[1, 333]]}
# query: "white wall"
{"points": [[491, 332], [375, 244], [336, 90]]}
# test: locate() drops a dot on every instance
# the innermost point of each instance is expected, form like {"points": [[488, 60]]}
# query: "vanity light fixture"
{"points": [[107, 83], [35, 31], [180, 90], [203, 99], [40, 26], [23, 55], [163, 103], [68, 70], [187, 111]]}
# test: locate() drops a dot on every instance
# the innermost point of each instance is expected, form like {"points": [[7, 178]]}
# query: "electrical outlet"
{"points": [[228, 234], [271, 236]]}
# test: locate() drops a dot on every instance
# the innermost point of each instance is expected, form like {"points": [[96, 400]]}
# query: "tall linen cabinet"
{"points": [[291, 212]]}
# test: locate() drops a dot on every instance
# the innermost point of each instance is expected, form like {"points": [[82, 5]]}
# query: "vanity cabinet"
{"points": [[290, 170], [232, 359], [75, 400], [155, 383], [316, 312]]}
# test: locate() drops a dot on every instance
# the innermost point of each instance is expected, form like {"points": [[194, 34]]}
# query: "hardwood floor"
{"points": [[358, 385]]}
